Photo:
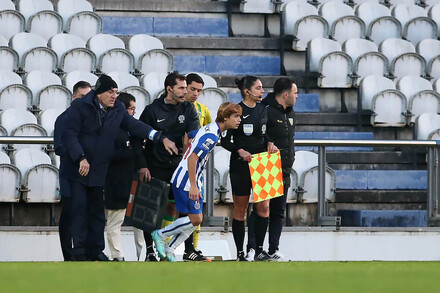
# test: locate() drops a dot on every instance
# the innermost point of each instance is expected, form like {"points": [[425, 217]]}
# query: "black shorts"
{"points": [[240, 177], [163, 174]]}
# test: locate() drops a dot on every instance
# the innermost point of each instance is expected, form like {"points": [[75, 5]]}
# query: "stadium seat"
{"points": [[123, 79], [388, 105], [291, 192], [61, 43], [3, 41], [153, 82], [366, 59], [67, 8], [52, 96], [371, 10], [430, 50], [415, 22], [11, 22], [111, 53], [73, 77], [40, 177], [78, 59], [434, 14], [45, 24], [141, 43], [347, 27], [33, 53], [31, 7], [333, 65], [258, 6], [209, 81], [334, 10], [8, 58], [12, 93], [383, 28], [47, 119], [13, 118], [10, 180], [142, 98], [403, 58], [7, 5], [221, 165], [216, 185], [37, 80], [436, 85], [308, 183], [428, 126], [84, 24], [419, 95], [156, 60], [212, 98], [301, 20]]}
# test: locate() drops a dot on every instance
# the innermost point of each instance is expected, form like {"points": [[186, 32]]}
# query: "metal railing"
{"points": [[433, 168]]}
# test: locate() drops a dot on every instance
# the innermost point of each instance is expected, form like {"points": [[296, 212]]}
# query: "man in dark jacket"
{"points": [[80, 89], [89, 138], [281, 129], [175, 117]]}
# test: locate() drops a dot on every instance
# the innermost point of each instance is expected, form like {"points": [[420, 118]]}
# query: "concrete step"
{"points": [[380, 196], [383, 218]]}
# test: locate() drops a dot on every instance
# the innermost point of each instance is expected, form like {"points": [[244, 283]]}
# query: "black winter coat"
{"points": [[281, 130]]}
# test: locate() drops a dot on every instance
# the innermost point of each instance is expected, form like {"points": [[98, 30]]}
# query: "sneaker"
{"points": [[250, 255], [160, 243], [277, 256], [151, 257], [195, 255], [170, 256], [118, 259], [241, 257], [262, 256]]}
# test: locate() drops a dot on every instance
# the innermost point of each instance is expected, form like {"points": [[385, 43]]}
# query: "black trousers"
{"points": [[64, 227], [277, 211], [87, 220]]}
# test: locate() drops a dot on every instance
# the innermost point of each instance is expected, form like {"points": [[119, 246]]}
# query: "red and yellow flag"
{"points": [[266, 175]]}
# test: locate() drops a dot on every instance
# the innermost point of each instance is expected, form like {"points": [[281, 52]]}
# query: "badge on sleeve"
{"points": [[248, 129], [291, 121]]}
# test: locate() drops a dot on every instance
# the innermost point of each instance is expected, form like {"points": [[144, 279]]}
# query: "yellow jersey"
{"points": [[203, 113]]}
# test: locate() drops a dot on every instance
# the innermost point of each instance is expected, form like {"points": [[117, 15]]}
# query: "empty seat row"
{"points": [[371, 20], [397, 104], [343, 66]]}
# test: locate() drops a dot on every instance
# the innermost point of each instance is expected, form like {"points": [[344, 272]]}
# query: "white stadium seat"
{"points": [[11, 22], [209, 81], [141, 43], [430, 50], [84, 24], [7, 5], [221, 164], [371, 10], [13, 118], [12, 93], [291, 192], [47, 119], [8, 58], [301, 20], [40, 177], [383, 28], [53, 96], [257, 6], [67, 8], [45, 24], [212, 98], [78, 59], [74, 76], [436, 85], [142, 98], [334, 66], [37, 80], [366, 59], [419, 95], [333, 10], [8, 77], [30, 7], [434, 14], [3, 41], [123, 79], [388, 105], [428, 126], [153, 82], [61, 43], [101, 43], [156, 60], [10, 181], [403, 58]]}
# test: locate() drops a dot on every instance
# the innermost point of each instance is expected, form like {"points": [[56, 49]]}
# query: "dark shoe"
{"points": [[119, 259], [195, 255], [79, 258], [262, 256], [151, 257], [241, 257], [100, 257]]}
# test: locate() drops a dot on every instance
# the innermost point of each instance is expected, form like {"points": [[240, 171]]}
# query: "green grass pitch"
{"points": [[227, 277]]}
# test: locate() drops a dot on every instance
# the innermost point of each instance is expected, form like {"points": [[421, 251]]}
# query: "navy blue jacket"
{"points": [[61, 151], [85, 137]]}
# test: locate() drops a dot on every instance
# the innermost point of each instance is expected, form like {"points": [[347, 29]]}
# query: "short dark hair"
{"points": [[81, 84], [281, 85], [126, 98], [172, 78], [245, 83], [194, 77]]}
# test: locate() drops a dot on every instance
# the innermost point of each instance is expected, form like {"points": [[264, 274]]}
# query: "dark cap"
{"points": [[104, 83]]}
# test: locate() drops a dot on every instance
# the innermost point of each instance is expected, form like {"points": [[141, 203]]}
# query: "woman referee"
{"points": [[250, 138]]}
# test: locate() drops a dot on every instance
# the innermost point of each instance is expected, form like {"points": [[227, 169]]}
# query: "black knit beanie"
{"points": [[104, 83]]}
